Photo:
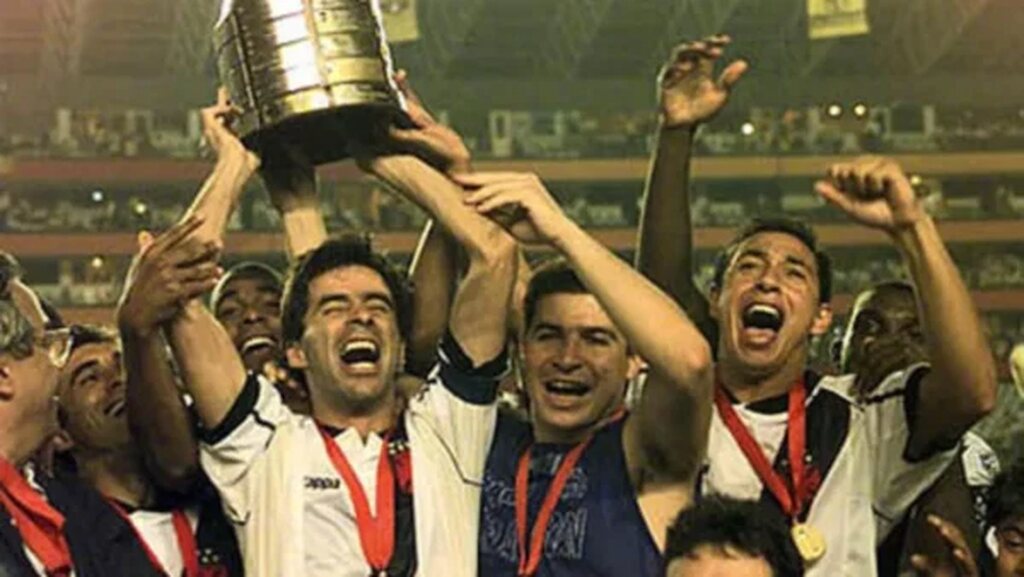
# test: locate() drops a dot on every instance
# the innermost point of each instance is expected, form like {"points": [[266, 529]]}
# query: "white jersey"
{"points": [[292, 511], [156, 528], [856, 451]]}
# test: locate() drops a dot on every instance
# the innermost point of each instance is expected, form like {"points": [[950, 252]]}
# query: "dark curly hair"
{"points": [[746, 526], [1006, 497], [345, 251]]}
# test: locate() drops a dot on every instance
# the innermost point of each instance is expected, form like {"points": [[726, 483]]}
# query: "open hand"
{"points": [[960, 561], [437, 144], [169, 271], [688, 93], [519, 202], [217, 121], [873, 191]]}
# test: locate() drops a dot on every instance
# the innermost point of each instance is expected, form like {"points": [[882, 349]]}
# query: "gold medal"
{"points": [[809, 542]]}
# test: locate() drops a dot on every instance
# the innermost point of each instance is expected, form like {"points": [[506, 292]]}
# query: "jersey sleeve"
{"points": [[460, 402], [241, 449]]}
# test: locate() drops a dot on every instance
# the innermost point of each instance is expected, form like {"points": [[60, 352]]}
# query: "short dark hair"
{"points": [[1006, 497], [551, 277], [82, 335], [348, 250], [746, 526], [245, 270], [794, 228]]}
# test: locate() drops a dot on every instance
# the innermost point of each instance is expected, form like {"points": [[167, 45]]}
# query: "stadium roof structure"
{"points": [[518, 53]]}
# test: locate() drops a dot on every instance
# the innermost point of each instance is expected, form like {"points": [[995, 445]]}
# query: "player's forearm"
{"points": [[442, 199], [959, 353], [157, 412], [433, 272], [480, 311], [219, 195], [653, 323], [208, 361], [304, 230]]}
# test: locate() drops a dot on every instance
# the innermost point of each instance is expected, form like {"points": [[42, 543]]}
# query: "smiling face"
{"points": [[351, 346], [92, 394], [576, 366], [249, 308], [769, 305]]}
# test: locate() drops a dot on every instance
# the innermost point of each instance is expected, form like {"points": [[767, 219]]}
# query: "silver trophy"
{"points": [[312, 74]]}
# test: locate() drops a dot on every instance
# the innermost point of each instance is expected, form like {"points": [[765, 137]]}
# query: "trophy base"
{"points": [[331, 135]]}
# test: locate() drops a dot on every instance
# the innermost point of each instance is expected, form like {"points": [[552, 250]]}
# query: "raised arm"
{"points": [[209, 363], [290, 180], [166, 272], [667, 438], [960, 388], [433, 272], [479, 313], [688, 97], [234, 166], [435, 266]]}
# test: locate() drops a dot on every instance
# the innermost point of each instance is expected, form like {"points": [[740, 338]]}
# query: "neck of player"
{"points": [[377, 417], [552, 434], [748, 385], [119, 475]]}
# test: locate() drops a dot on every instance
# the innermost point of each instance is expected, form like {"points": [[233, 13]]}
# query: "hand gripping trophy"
{"points": [[310, 74]]}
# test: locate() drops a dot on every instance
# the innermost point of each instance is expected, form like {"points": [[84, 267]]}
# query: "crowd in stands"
{"points": [[832, 128]]}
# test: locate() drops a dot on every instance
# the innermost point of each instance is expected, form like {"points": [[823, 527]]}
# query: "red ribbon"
{"points": [[40, 525], [792, 503], [376, 534], [182, 533], [529, 561]]}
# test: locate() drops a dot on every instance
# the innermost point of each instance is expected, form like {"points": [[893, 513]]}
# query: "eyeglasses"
{"points": [[57, 343]]}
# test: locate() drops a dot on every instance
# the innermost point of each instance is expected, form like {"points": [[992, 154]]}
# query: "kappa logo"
{"points": [[322, 483]]}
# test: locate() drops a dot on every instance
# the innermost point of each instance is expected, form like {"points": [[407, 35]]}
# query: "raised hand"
{"points": [[217, 121], [436, 143], [168, 272], [875, 192], [688, 92], [519, 202], [960, 561]]}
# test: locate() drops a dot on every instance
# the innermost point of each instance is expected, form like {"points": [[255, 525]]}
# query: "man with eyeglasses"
{"points": [[48, 526]]}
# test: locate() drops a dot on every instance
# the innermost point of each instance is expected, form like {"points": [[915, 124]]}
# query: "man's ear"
{"points": [[6, 384], [634, 366], [713, 295], [62, 442], [296, 357], [822, 320]]}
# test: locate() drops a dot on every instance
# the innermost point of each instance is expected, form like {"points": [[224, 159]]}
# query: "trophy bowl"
{"points": [[310, 74]]}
